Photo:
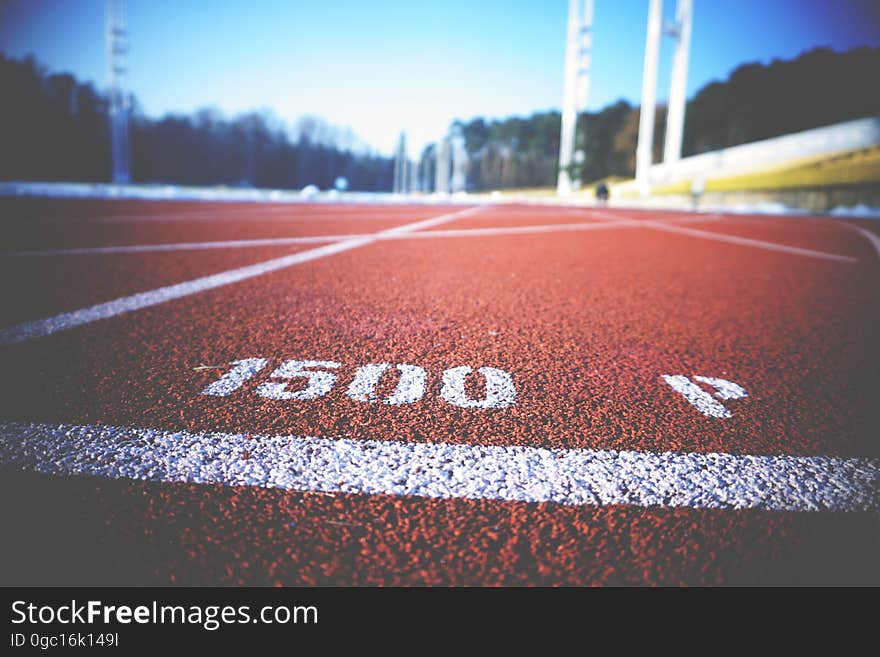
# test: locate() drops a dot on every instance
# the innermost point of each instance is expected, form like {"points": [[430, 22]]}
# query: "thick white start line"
{"points": [[439, 470], [64, 321]]}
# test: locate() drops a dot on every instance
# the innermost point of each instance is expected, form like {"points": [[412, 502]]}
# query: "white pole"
{"points": [[678, 86], [441, 174], [575, 85], [413, 176], [399, 185], [117, 47], [649, 99], [585, 36], [459, 161]]}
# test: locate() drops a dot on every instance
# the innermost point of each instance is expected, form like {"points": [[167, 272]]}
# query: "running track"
{"points": [[340, 394]]}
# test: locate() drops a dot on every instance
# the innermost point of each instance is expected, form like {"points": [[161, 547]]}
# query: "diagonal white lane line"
{"points": [[873, 238], [524, 230], [442, 470], [49, 325], [731, 239], [745, 241]]}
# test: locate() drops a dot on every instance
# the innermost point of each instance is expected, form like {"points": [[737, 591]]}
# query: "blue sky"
{"points": [[383, 66]]}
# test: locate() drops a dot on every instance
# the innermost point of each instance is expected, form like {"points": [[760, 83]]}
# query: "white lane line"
{"points": [[691, 218], [745, 241], [190, 214], [257, 214], [183, 246], [873, 238], [525, 230], [287, 241], [430, 222], [42, 327], [735, 239], [440, 470]]}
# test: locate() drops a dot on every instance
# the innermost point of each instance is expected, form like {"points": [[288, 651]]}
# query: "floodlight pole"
{"points": [[575, 85], [678, 87], [117, 48], [649, 99]]}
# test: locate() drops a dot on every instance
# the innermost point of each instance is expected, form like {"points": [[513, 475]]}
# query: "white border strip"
{"points": [[64, 321], [439, 470]]}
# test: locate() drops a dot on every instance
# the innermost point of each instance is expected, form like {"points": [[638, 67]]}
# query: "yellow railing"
{"points": [[848, 168]]}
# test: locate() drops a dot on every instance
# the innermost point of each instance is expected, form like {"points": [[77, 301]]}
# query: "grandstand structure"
{"points": [[680, 30], [815, 169]]}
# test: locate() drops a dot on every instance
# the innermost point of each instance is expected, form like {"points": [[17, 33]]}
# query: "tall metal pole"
{"points": [[678, 86], [458, 182], [117, 48], [413, 176], [399, 185], [425, 184], [649, 99], [575, 85], [441, 174]]}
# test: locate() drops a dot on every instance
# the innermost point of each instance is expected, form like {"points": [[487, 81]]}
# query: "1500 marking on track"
{"points": [[500, 391]]}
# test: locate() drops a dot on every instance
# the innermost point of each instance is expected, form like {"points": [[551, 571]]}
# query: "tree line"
{"points": [[54, 127], [757, 101]]}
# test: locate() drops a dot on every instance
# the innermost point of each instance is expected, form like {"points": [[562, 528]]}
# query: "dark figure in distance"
{"points": [[602, 192]]}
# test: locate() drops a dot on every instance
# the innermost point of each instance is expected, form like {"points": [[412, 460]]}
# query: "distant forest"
{"points": [[818, 88], [53, 127]]}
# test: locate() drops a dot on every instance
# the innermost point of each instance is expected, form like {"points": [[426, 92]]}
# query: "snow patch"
{"points": [[860, 211], [310, 193], [767, 207]]}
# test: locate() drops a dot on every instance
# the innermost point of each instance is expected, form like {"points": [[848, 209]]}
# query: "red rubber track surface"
{"points": [[34, 287], [587, 323], [521, 216], [175, 222], [98, 531]]}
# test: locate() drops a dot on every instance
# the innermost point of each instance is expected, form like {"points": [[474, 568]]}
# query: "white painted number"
{"points": [[500, 392], [411, 386], [231, 381], [702, 400], [320, 382]]}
